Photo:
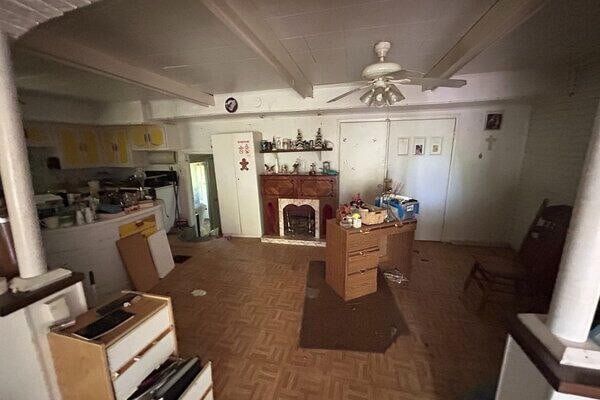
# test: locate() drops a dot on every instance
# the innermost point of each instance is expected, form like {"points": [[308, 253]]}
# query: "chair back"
{"points": [[541, 250]]}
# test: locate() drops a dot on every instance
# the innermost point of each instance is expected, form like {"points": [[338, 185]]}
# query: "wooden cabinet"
{"points": [[153, 137], [38, 134], [112, 366], [353, 255], [321, 187], [78, 146], [115, 149]]}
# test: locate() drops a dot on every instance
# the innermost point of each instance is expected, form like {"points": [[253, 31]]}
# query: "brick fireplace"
{"points": [[287, 200]]}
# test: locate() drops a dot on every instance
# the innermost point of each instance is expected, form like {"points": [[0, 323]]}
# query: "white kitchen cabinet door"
{"points": [[236, 159]]}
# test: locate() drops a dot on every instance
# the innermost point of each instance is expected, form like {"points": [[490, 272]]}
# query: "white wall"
{"points": [[481, 190], [36, 107], [561, 124]]}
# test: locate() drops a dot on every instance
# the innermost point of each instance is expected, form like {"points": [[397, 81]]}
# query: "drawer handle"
{"points": [[362, 271], [364, 232]]}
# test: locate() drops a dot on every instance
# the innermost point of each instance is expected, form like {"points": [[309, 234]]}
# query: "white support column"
{"points": [[16, 176], [578, 284]]}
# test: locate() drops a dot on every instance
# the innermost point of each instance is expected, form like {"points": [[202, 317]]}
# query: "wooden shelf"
{"points": [[294, 150]]}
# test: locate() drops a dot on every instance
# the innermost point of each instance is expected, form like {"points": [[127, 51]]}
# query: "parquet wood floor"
{"points": [[248, 325]]}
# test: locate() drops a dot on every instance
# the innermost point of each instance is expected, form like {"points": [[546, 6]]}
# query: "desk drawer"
{"points": [[201, 387], [125, 384], [363, 239], [361, 283], [135, 341], [363, 260]]}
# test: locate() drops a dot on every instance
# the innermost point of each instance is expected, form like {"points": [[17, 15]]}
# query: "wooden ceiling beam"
{"points": [[70, 52], [499, 20], [244, 20]]}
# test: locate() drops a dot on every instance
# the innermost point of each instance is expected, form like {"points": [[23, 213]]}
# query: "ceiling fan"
{"points": [[382, 77]]}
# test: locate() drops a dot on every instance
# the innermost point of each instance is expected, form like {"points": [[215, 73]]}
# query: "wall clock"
{"points": [[231, 105]]}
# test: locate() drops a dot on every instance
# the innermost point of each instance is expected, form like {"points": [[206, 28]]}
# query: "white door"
{"points": [[362, 159], [167, 195], [422, 171], [222, 146], [247, 184]]}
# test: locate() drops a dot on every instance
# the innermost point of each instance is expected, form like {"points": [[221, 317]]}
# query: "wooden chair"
{"points": [[531, 272]]}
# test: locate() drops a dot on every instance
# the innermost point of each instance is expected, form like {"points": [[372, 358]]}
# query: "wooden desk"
{"points": [[353, 255]]}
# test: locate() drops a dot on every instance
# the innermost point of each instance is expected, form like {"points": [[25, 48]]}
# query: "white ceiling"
{"points": [[330, 40]]}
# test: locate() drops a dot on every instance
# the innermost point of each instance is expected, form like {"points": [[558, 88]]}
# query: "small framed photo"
{"points": [[403, 144], [493, 121], [435, 145], [419, 146]]}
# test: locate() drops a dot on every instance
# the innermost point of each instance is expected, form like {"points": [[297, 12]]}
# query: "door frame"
{"points": [[419, 117], [184, 166]]}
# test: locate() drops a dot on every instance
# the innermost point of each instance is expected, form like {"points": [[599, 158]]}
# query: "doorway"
{"points": [[205, 204]]}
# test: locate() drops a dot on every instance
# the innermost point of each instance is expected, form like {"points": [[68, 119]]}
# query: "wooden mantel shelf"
{"points": [[563, 378]]}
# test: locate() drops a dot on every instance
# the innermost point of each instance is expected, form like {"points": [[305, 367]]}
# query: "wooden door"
{"points": [[70, 147], [423, 172], [89, 146], [222, 146], [107, 146], [122, 153], [138, 137], [156, 137]]}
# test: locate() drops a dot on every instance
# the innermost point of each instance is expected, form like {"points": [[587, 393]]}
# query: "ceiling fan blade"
{"points": [[431, 83], [349, 93], [405, 74]]}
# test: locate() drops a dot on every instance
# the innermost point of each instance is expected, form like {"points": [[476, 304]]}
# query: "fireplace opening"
{"points": [[299, 221]]}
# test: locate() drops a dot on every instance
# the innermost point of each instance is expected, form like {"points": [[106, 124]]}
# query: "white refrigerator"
{"points": [[237, 162]]}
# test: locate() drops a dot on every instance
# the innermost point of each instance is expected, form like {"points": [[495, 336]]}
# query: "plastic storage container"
{"points": [[404, 208]]}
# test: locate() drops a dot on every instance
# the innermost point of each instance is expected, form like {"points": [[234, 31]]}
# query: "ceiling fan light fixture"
{"points": [[393, 94], [379, 97], [367, 97]]}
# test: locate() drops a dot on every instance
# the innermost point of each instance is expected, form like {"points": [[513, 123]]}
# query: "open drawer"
{"points": [[201, 386]]}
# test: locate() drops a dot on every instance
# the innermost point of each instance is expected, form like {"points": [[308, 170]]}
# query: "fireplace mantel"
{"points": [[320, 187]]}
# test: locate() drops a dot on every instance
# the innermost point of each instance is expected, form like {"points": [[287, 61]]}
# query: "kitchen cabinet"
{"points": [[78, 146], [237, 161], [153, 137], [115, 149], [38, 134]]}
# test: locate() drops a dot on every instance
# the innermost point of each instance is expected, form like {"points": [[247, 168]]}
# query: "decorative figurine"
{"points": [[299, 141], [285, 169], [319, 140], [296, 167], [270, 169], [313, 169]]}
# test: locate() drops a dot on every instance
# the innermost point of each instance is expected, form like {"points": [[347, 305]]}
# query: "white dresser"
{"points": [[112, 367]]}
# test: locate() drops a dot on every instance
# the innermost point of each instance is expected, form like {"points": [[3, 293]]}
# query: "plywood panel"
{"points": [[138, 262]]}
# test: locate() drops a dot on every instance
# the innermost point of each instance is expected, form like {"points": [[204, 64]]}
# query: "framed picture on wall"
{"points": [[493, 121], [403, 144], [419, 146], [435, 145]]}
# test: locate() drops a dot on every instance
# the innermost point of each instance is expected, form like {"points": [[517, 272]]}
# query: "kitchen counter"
{"points": [[126, 217], [92, 248]]}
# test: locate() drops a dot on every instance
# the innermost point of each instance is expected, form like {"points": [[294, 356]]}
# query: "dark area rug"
{"points": [[370, 323], [181, 259]]}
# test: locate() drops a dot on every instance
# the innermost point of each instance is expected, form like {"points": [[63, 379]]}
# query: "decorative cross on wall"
{"points": [[244, 163], [490, 141]]}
